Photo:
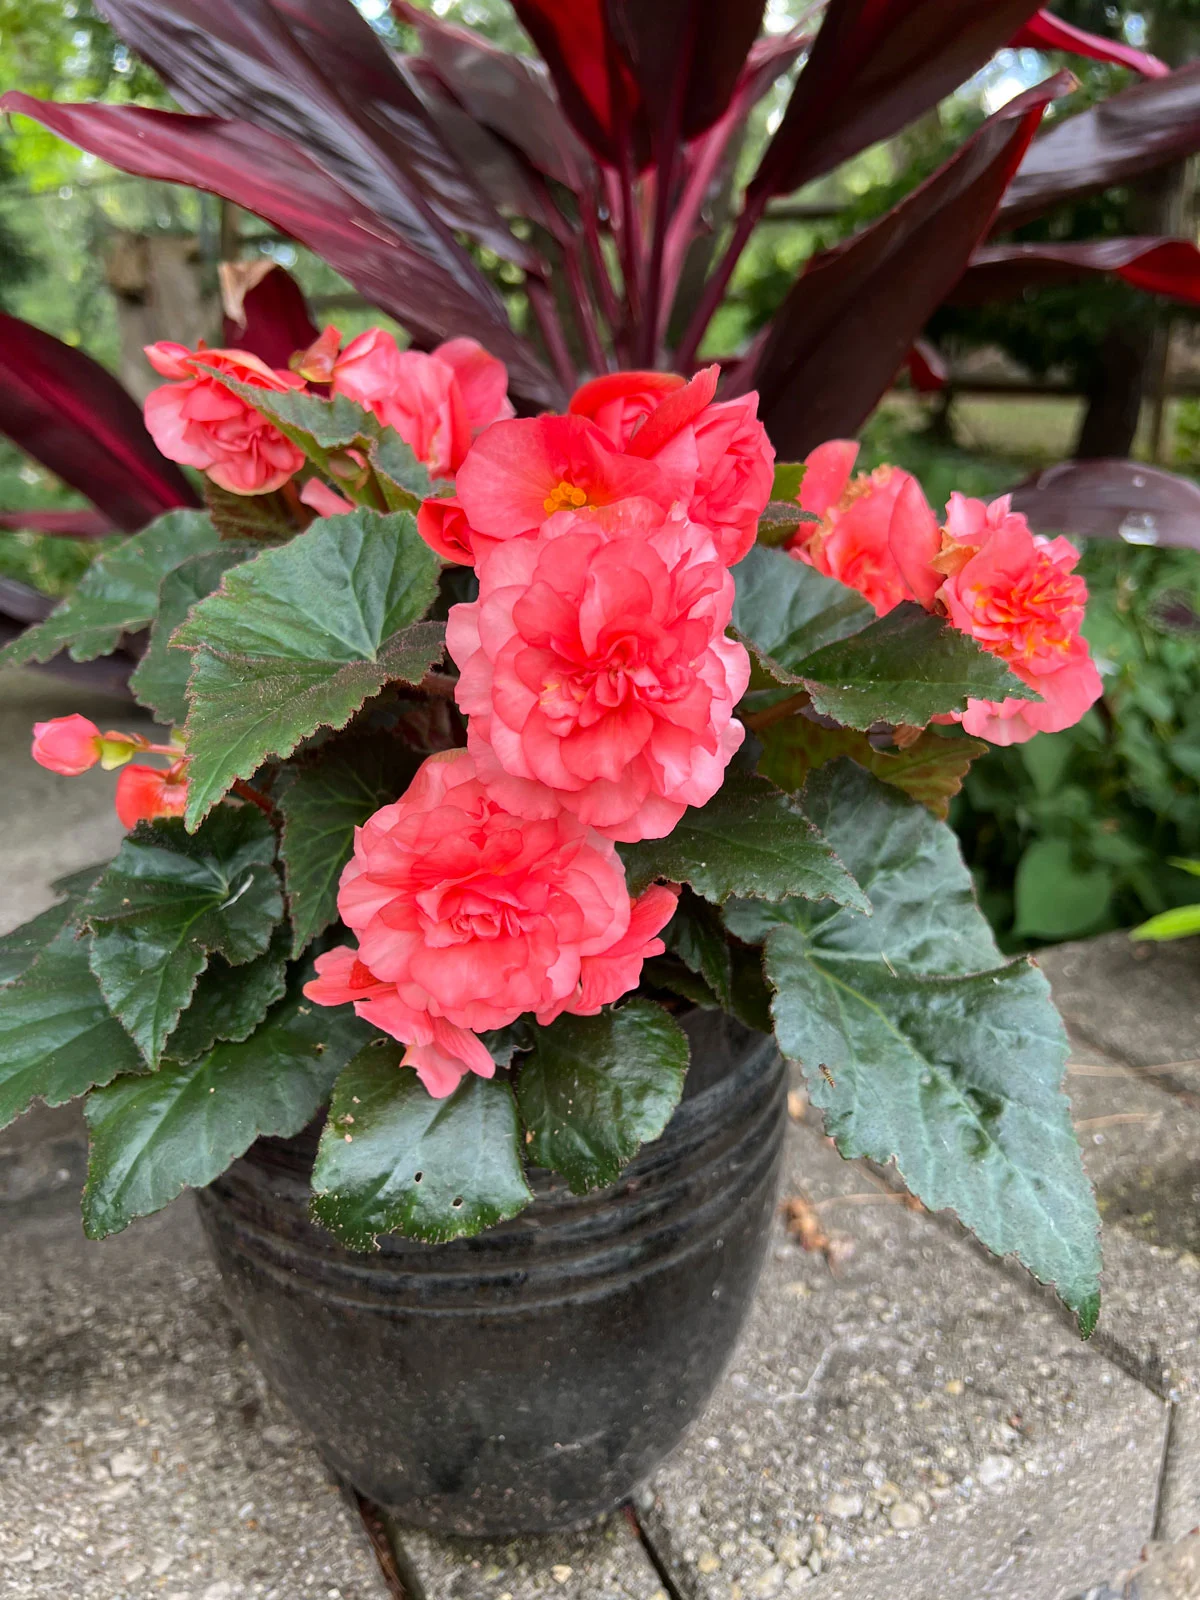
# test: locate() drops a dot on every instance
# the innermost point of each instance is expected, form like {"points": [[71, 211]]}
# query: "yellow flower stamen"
{"points": [[565, 497]]}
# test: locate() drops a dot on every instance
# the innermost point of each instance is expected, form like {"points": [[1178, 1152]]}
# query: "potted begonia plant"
{"points": [[531, 785]]}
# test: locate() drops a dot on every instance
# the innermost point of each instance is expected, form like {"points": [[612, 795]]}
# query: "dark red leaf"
{"points": [[316, 73], [73, 416], [1045, 31], [265, 311], [926, 370], [1112, 500], [875, 67], [576, 45], [1159, 266], [850, 319], [1147, 126], [278, 182], [82, 524], [508, 93], [686, 56]]}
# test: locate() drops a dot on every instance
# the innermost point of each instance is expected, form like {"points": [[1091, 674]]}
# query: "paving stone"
{"points": [[1179, 1509], [140, 1455], [1139, 1002], [607, 1562], [906, 1381], [53, 825]]}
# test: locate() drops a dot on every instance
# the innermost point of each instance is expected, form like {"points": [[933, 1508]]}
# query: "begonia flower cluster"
{"points": [[1012, 590], [598, 686]]}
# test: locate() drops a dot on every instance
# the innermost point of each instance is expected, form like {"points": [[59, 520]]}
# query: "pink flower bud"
{"points": [[69, 745]]}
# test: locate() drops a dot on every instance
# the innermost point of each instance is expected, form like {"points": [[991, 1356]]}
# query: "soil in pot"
{"points": [[525, 1380]]}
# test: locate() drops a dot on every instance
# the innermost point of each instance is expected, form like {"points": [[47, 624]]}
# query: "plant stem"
{"points": [[244, 791], [667, 160], [541, 303], [714, 290]]}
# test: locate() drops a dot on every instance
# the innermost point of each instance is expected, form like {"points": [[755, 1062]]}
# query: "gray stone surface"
{"points": [[1137, 1001], [52, 825], [140, 1455], [603, 1563], [894, 1409]]}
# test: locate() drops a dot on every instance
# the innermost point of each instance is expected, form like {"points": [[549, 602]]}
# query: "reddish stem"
{"points": [[714, 289], [244, 791]]}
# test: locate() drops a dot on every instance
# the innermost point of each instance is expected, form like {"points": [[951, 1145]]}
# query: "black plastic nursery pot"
{"points": [[527, 1379]]}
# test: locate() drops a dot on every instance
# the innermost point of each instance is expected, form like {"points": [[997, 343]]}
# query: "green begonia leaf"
{"points": [[160, 680], [393, 1159], [750, 839], [320, 427], [594, 1089], [169, 901], [322, 805], [299, 638], [57, 1036], [230, 1002], [117, 594], [180, 1127], [921, 1045]]}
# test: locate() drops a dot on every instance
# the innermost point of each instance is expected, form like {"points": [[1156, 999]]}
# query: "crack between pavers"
{"points": [[653, 1555], [1164, 1471]]}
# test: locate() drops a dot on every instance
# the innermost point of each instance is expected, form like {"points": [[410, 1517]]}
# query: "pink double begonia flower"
{"points": [[197, 421], [851, 541], [595, 670], [468, 916]]}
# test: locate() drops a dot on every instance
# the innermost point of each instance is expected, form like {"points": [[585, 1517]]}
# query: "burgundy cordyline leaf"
{"points": [[510, 94], [1146, 126], [926, 370], [1045, 31], [265, 312], [67, 412], [875, 67], [267, 175], [686, 56], [81, 524], [1159, 266], [1112, 500], [850, 319], [316, 73], [576, 44]]}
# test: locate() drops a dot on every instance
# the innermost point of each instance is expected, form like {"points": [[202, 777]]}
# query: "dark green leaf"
{"points": [[748, 840], [393, 1159], [696, 935], [168, 901], [404, 480], [117, 594], [57, 1036], [595, 1089], [780, 523], [668, 975], [322, 805], [255, 518], [297, 639], [20, 948], [321, 428], [230, 1002], [905, 667], [921, 1046], [785, 610], [181, 1126], [931, 769], [161, 678]]}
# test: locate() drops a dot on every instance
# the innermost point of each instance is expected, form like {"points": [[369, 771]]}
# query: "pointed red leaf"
{"points": [[875, 67], [1112, 500], [81, 524], [508, 93], [316, 73], [927, 371], [577, 46], [686, 56], [1045, 31], [1146, 126], [265, 311], [73, 416], [850, 319], [1159, 266], [278, 182]]}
